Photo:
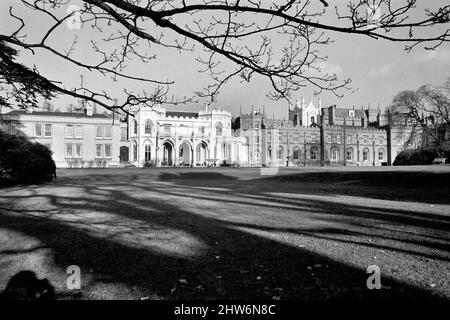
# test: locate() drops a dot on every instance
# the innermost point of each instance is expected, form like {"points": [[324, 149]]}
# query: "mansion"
{"points": [[158, 137], [153, 136]]}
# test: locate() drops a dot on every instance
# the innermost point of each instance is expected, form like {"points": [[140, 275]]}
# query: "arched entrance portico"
{"points": [[185, 154], [201, 153], [167, 154]]}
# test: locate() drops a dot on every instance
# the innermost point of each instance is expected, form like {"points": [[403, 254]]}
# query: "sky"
{"points": [[379, 69]]}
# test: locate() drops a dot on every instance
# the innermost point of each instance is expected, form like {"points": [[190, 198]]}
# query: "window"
{"points": [[349, 139], [78, 150], [135, 127], [108, 132], [257, 139], [38, 129], [69, 131], [226, 150], [280, 153], [73, 150], [296, 153], [148, 127], [329, 139], [98, 150], [103, 151], [351, 113], [269, 151], [99, 132], [74, 131], [219, 129], [69, 151], [296, 137], [334, 154], [78, 131], [314, 153], [366, 155], [314, 138], [148, 152], [48, 130], [349, 154], [201, 130], [381, 155], [167, 128], [123, 134], [256, 125], [365, 140], [269, 136], [135, 151], [107, 150], [338, 138]]}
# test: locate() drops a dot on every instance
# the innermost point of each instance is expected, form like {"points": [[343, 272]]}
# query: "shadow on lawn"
{"points": [[232, 263], [417, 186]]}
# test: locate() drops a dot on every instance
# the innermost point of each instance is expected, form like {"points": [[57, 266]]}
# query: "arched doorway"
{"points": [[167, 154], [280, 154], [201, 153], [184, 154], [124, 154]]}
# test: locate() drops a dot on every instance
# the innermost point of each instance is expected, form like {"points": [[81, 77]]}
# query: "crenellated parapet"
{"points": [[214, 112], [354, 128]]}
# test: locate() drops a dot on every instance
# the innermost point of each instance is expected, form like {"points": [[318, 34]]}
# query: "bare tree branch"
{"points": [[280, 41]]}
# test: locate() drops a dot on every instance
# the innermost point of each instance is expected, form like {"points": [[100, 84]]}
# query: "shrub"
{"points": [[148, 164], [23, 161], [424, 156]]}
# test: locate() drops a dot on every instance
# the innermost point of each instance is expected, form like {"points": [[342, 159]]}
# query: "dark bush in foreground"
{"points": [[425, 156], [23, 161]]}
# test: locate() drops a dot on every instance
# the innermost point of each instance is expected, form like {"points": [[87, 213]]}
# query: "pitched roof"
{"points": [[60, 114], [344, 113]]}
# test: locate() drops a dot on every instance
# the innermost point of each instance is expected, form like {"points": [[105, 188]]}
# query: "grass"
{"points": [[207, 233]]}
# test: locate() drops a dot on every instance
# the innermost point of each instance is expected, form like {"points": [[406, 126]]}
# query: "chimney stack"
{"points": [[89, 109]]}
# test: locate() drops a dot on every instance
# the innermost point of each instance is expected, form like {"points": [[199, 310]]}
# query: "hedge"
{"points": [[424, 156]]}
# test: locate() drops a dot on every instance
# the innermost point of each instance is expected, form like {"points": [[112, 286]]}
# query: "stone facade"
{"points": [[310, 136], [331, 136], [77, 139], [171, 138]]}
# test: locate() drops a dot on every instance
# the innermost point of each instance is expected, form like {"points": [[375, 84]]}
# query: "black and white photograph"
{"points": [[222, 157]]}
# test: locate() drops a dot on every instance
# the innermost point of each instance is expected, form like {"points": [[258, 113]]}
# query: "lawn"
{"points": [[207, 233]]}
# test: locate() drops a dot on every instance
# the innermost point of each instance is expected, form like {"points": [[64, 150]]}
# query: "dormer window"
{"points": [[351, 113]]}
